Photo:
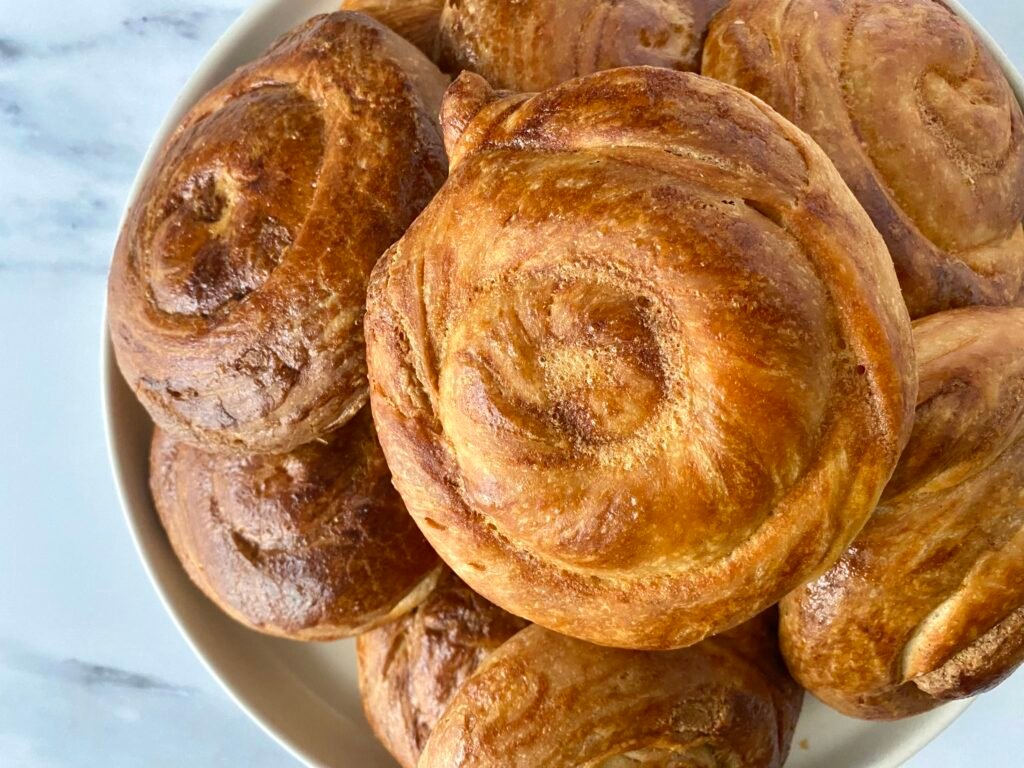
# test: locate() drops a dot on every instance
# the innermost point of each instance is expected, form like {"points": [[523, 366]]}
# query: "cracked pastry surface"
{"points": [[459, 682], [918, 117], [530, 45], [314, 544], [927, 605], [237, 287], [642, 366]]}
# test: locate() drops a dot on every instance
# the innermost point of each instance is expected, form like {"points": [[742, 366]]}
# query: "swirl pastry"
{"points": [[418, 21], [457, 683], [919, 120], [313, 545], [237, 288], [410, 669], [535, 44], [928, 603], [642, 366]]}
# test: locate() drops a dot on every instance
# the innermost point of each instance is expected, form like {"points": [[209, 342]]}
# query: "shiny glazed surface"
{"points": [[237, 288], [314, 544]]}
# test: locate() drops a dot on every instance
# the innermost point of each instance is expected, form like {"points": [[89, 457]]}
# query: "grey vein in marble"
{"points": [[82, 90], [56, 713], [17, 659]]}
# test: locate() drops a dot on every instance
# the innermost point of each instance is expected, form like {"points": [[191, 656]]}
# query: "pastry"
{"points": [[312, 545], [530, 45], [457, 684], [410, 669], [418, 21], [642, 367], [237, 288], [928, 603], [918, 118]]}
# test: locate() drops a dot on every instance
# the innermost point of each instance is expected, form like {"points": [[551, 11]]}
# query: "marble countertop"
{"points": [[92, 671]]}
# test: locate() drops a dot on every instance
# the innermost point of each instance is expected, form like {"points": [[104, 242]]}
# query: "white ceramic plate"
{"points": [[305, 696]]}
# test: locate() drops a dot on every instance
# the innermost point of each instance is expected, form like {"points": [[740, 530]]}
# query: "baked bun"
{"points": [[642, 367], [456, 682], [918, 118], [312, 545], [418, 21], [530, 45], [410, 669], [237, 287], [928, 603]]}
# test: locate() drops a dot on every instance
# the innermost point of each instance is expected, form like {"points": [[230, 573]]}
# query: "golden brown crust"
{"points": [[980, 666], [730, 695], [917, 116], [237, 287], [659, 234], [312, 545], [533, 45], [418, 21], [411, 668], [545, 699], [530, 45], [928, 603]]}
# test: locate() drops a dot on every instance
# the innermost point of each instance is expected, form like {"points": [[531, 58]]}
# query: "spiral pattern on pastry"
{"points": [[459, 675], [928, 603], [314, 544], [530, 45], [918, 117], [237, 288], [642, 367]]}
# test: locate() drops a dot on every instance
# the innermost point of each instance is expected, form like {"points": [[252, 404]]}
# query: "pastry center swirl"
{"points": [[563, 367], [239, 184], [948, 116], [612, 417]]}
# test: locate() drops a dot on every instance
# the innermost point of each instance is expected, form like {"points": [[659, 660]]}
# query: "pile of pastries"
{"points": [[549, 345]]}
